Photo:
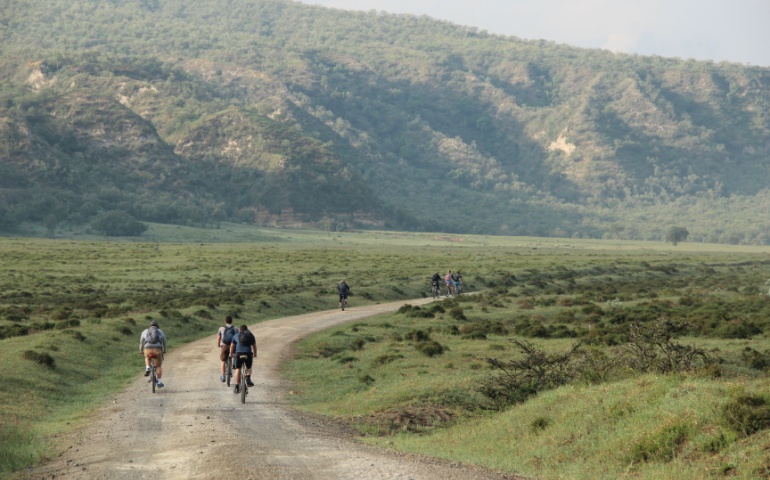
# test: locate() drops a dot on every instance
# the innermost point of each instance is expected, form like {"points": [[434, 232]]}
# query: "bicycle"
{"points": [[343, 302], [436, 290], [153, 374], [458, 288], [242, 384], [228, 368]]}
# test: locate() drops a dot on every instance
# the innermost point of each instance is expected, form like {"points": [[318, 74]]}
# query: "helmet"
{"points": [[154, 323]]}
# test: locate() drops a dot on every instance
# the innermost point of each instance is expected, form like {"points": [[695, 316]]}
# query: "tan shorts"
{"points": [[156, 351], [224, 352]]}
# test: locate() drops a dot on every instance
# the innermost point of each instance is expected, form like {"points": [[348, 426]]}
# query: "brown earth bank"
{"points": [[196, 428]]}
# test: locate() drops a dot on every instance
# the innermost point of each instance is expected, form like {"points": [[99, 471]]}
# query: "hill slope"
{"points": [[273, 111]]}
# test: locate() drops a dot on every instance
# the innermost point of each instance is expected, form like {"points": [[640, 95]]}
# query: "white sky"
{"points": [[718, 30]]}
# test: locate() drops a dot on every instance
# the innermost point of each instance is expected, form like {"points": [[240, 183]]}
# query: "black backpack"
{"points": [[227, 336], [247, 339]]}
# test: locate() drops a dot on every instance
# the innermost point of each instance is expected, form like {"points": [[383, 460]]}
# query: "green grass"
{"points": [[628, 425], [83, 301]]}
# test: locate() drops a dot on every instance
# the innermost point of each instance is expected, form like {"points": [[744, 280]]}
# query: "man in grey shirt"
{"points": [[153, 342]]}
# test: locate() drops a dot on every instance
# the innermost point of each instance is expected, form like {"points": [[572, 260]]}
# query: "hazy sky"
{"points": [[729, 30]]}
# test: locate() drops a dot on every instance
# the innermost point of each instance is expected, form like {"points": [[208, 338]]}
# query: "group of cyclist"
{"points": [[452, 281], [236, 343], [240, 345]]}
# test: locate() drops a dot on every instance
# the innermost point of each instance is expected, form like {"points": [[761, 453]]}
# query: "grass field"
{"points": [[72, 308]]}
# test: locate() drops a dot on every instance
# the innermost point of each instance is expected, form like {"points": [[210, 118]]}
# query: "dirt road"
{"points": [[196, 427]]}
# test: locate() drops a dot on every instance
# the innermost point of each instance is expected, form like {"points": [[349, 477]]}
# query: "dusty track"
{"points": [[197, 428]]}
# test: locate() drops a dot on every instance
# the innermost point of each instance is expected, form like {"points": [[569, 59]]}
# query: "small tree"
{"points": [[676, 235], [118, 223]]}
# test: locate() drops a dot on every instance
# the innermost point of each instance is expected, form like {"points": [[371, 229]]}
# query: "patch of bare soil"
{"points": [[196, 428]]}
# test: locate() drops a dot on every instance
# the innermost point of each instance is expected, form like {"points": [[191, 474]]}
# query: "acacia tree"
{"points": [[676, 235]]}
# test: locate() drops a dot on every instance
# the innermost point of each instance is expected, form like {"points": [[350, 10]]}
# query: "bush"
{"points": [[431, 348], [416, 312], [117, 223], [660, 446], [42, 358], [384, 359], [747, 414], [522, 379], [417, 335], [457, 313], [540, 423]]}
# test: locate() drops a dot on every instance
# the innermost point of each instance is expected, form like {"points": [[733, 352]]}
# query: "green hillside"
{"points": [[279, 113]]}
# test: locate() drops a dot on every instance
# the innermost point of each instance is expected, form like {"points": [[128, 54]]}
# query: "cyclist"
{"points": [[436, 281], [153, 341], [244, 343], [457, 280], [344, 290], [224, 339], [450, 286]]}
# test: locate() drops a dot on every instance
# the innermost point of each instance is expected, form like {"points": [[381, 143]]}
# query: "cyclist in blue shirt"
{"points": [[244, 343]]}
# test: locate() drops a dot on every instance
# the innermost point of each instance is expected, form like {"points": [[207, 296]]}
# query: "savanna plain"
{"points": [[564, 358]]}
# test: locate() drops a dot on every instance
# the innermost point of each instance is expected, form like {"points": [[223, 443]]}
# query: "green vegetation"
{"points": [[573, 362], [443, 379], [196, 114], [71, 311]]}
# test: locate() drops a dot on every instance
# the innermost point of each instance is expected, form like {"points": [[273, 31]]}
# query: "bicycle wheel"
{"points": [[228, 370], [153, 376], [243, 383]]}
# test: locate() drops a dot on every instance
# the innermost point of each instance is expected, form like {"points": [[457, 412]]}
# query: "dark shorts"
{"points": [[343, 296], [248, 361]]}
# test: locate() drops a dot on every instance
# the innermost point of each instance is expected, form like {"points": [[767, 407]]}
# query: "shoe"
{"points": [[222, 378], [237, 389], [160, 384], [146, 373], [249, 382]]}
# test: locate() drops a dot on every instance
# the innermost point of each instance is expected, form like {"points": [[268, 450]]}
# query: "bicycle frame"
{"points": [[228, 368], [242, 384], [153, 373]]}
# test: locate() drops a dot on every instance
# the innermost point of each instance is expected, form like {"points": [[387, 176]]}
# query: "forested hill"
{"points": [[275, 112]]}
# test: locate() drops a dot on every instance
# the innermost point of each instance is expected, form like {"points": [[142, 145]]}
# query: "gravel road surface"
{"points": [[196, 428]]}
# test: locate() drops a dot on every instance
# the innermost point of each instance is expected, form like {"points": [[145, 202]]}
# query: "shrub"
{"points": [[660, 446], [68, 324], [521, 379], [431, 348], [42, 358], [747, 414], [417, 335], [384, 359], [416, 312], [457, 313], [540, 423], [77, 335], [118, 223]]}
